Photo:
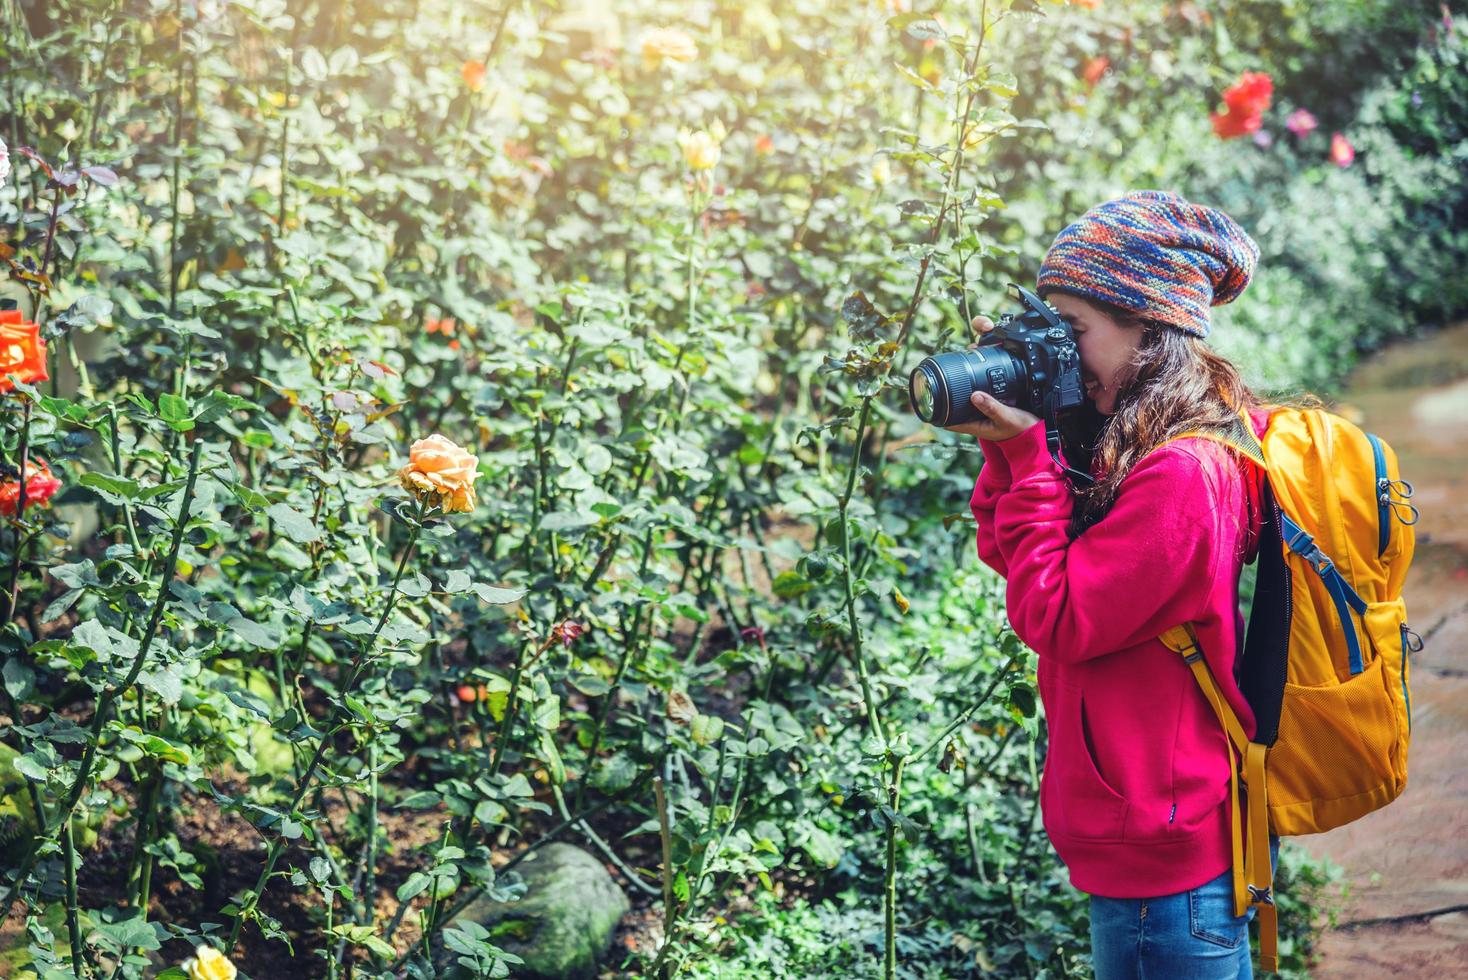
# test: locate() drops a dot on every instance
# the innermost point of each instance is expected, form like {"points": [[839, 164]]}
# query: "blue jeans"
{"points": [[1191, 935]]}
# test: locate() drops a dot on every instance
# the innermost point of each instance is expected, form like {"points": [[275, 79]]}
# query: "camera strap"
{"points": [[1052, 442]]}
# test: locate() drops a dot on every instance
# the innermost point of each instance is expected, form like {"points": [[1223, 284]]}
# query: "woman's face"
{"points": [[1106, 348]]}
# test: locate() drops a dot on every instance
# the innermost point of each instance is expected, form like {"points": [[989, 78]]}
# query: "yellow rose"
{"points": [[667, 44], [441, 474], [881, 170], [208, 963], [700, 149]]}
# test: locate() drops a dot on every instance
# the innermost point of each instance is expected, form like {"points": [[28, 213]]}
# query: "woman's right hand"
{"points": [[980, 325]]}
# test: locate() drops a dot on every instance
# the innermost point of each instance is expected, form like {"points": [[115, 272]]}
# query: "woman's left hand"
{"points": [[998, 421]]}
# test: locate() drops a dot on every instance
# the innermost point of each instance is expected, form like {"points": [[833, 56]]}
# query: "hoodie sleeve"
{"points": [[993, 483], [1149, 564]]}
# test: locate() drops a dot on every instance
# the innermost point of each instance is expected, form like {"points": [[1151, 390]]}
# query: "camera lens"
{"points": [[922, 394], [940, 386]]}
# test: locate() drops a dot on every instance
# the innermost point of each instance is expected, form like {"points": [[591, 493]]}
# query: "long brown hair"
{"points": [[1174, 383]]}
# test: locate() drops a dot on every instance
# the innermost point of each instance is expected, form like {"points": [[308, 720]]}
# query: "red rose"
{"points": [[1246, 101], [1250, 95]]}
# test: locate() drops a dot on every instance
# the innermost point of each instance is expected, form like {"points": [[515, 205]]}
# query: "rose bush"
{"points": [[307, 279]]}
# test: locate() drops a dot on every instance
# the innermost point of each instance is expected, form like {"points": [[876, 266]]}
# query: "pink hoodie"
{"points": [[1135, 790]]}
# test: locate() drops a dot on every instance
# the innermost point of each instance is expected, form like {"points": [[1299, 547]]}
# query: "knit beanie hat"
{"points": [[1153, 253]]}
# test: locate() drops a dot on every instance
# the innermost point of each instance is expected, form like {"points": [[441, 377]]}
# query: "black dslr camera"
{"points": [[1029, 360]]}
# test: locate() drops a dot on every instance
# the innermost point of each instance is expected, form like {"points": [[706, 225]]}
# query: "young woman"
{"points": [[1135, 788]]}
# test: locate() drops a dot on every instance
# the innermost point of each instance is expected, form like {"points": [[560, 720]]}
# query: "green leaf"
{"points": [[547, 713], [598, 459], [128, 933], [498, 596], [165, 680], [592, 685], [1022, 699], [789, 584], [424, 799], [706, 729], [173, 409], [293, 524], [30, 768], [113, 489], [18, 678], [564, 520], [552, 757], [260, 635], [413, 887], [615, 774], [822, 847]]}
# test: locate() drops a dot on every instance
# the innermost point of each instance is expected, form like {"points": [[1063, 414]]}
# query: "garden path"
{"points": [[1406, 914]]}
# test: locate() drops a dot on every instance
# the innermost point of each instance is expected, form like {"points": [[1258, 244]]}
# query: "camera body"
{"points": [[1029, 360]]}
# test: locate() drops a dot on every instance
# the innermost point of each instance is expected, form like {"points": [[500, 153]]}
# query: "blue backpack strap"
{"points": [[1345, 598]]}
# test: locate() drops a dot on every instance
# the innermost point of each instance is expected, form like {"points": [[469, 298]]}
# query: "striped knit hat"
{"points": [[1153, 253]]}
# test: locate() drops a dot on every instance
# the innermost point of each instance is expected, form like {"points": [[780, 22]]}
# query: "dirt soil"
{"points": [[1405, 913]]}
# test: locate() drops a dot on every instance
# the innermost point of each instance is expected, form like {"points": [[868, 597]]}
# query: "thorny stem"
{"points": [[109, 697], [277, 845]]}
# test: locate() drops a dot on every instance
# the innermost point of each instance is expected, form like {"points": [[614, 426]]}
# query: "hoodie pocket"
{"points": [[1080, 804]]}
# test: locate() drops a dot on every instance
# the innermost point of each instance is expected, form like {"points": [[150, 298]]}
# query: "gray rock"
{"points": [[563, 924]]}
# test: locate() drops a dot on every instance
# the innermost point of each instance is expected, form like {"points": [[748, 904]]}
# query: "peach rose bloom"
{"points": [[441, 473]]}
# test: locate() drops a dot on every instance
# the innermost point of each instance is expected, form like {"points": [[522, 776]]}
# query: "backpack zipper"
{"points": [[1383, 497], [1407, 647]]}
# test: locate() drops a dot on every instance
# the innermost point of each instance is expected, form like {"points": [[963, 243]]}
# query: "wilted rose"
{"points": [[667, 44], [208, 963], [680, 708], [441, 474], [40, 487], [567, 632]]}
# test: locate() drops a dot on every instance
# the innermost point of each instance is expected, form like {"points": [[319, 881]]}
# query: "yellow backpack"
{"points": [[1325, 660]]}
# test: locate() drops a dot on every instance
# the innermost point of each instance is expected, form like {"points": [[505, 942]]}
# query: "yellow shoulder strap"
{"points": [[1240, 436], [1253, 874]]}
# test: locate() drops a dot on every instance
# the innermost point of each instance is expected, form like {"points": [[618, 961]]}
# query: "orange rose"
{"points": [[441, 474], [22, 351], [473, 75], [40, 487]]}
